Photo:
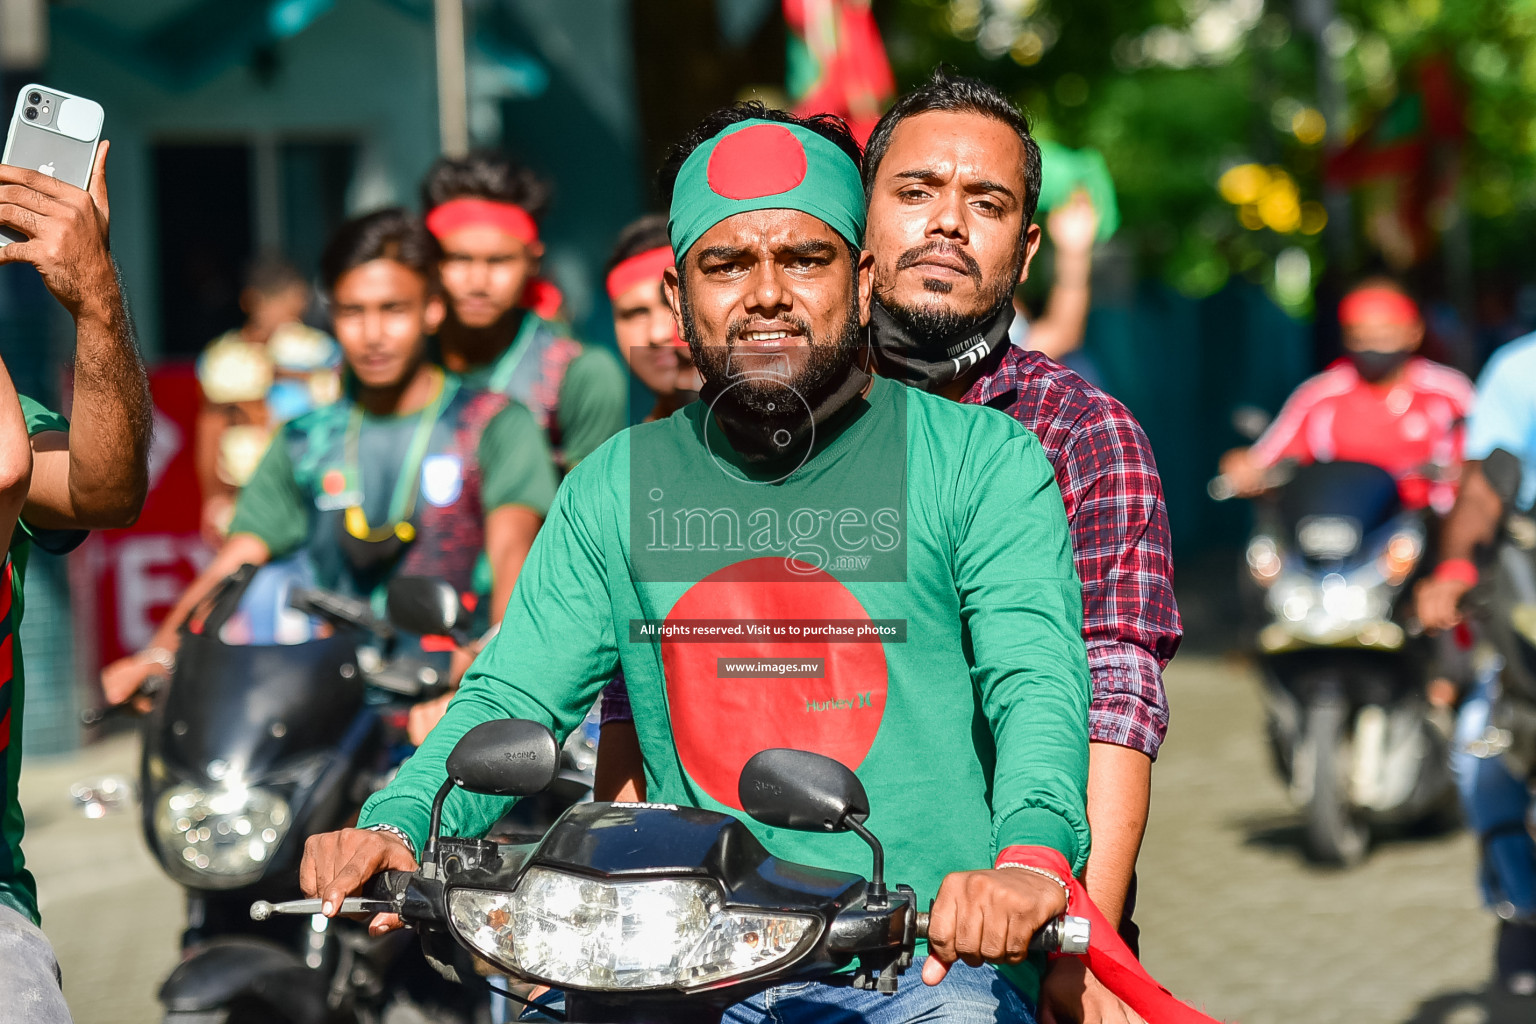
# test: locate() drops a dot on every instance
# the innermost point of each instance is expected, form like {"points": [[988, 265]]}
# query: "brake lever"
{"points": [[261, 909]]}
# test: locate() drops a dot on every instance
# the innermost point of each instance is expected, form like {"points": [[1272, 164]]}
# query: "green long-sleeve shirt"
{"points": [[936, 526]]}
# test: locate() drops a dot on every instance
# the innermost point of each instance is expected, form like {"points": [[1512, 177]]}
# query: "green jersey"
{"points": [[442, 468], [903, 599], [578, 393], [17, 889]]}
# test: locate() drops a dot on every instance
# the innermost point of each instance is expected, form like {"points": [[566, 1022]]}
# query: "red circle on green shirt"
{"points": [[718, 724], [333, 482], [763, 160]]}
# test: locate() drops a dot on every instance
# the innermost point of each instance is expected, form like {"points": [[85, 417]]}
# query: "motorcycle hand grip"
{"points": [[1064, 934]]}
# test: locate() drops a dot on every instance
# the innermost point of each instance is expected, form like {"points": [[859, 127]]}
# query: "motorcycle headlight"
{"points": [[1399, 557], [226, 834], [1264, 561], [623, 936]]}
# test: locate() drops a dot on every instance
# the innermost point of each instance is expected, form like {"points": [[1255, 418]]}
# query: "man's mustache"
{"points": [[912, 257]]}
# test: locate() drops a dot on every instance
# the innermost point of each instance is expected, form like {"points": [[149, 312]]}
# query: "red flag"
{"points": [[837, 63]]}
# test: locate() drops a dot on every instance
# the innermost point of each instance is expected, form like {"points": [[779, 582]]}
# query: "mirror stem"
{"points": [[429, 855], [874, 894]]}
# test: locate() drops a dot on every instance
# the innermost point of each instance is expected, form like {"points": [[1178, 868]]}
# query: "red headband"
{"points": [[1377, 304], [468, 212], [647, 266]]}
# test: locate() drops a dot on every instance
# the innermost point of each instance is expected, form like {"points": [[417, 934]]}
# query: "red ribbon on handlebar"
{"points": [[1108, 957]]}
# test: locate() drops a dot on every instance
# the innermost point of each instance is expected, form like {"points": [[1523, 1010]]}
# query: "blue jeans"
{"points": [[967, 995], [1496, 804]]}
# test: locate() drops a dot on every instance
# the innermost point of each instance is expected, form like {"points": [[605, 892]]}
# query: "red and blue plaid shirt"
{"points": [[1120, 540]]}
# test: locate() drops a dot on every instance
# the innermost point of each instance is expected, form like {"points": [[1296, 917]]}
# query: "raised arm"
{"points": [[1059, 330], [98, 474]]}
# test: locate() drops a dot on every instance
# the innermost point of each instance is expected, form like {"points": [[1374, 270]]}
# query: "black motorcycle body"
{"points": [[249, 751], [1333, 557]]}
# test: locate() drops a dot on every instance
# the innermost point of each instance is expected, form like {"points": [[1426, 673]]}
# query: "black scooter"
{"points": [[652, 912], [1331, 562], [249, 751]]}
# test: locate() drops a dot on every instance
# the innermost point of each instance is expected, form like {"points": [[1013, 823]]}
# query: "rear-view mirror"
{"points": [[1503, 472], [422, 604], [507, 757], [799, 790]]}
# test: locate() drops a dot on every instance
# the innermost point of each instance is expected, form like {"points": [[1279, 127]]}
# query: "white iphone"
{"points": [[53, 132]]}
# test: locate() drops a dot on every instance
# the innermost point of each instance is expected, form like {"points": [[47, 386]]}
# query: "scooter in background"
{"points": [[250, 750], [1333, 554]]}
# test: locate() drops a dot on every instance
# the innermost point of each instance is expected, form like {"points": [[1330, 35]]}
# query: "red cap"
{"points": [[1378, 303]]}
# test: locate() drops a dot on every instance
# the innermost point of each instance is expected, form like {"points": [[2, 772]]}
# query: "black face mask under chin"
{"points": [[904, 351], [1374, 366]]}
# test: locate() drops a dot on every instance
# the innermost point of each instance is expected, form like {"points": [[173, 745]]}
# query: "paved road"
{"points": [[1233, 919]]}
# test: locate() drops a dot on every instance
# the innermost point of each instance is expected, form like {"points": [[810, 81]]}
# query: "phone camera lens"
{"points": [[34, 97], [30, 113]]}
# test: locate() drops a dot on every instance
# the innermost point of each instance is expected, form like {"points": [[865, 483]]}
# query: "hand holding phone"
{"points": [[47, 218]]}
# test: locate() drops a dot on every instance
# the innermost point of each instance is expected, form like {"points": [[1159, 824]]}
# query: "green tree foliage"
{"points": [[1177, 92]]}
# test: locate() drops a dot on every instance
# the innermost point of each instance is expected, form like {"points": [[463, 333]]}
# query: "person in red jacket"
{"points": [[1382, 404]]}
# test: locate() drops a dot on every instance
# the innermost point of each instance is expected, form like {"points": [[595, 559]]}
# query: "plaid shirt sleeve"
{"points": [[1120, 539]]}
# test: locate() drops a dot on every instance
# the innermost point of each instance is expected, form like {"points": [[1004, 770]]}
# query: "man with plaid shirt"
{"points": [[951, 231]]}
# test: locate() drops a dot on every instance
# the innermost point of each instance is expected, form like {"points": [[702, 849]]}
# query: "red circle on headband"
{"points": [[763, 160]]}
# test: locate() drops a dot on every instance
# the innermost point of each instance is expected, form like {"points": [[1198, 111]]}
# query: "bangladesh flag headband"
{"points": [[765, 165]]}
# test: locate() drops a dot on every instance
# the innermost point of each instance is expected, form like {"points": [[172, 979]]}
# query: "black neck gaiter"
{"points": [[902, 352], [767, 439]]}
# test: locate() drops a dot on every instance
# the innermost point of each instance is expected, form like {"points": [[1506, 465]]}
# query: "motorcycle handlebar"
{"points": [[1064, 934], [95, 716], [337, 608]]}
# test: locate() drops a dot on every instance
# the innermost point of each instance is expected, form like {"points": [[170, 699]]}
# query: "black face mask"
{"points": [[1374, 366], [904, 351]]}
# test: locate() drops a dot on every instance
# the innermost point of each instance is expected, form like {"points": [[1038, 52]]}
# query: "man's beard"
{"points": [[941, 321], [768, 394]]}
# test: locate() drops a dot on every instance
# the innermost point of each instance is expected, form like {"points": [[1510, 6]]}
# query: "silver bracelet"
{"points": [[397, 833], [1066, 890], [161, 656]]}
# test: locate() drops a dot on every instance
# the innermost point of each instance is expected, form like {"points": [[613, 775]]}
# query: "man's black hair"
{"points": [[272, 275], [829, 126], [642, 235], [484, 174], [393, 234], [948, 92]]}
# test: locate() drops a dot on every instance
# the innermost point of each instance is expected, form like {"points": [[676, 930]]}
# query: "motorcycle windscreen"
{"points": [[252, 707], [1363, 496]]}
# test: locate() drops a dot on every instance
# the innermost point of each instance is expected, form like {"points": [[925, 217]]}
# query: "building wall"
{"points": [[363, 70]]}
